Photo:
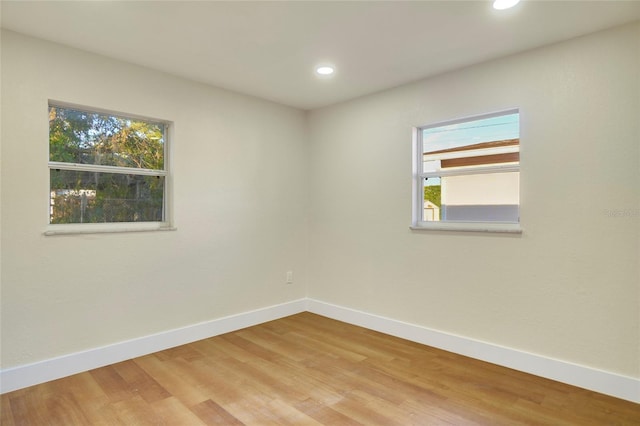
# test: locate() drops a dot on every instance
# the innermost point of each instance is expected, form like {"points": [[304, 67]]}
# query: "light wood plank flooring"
{"points": [[309, 370]]}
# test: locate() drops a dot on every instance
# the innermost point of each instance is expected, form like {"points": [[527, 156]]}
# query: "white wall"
{"points": [[240, 207], [481, 189], [569, 287]]}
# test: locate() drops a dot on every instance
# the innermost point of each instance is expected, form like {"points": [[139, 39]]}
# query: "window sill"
{"points": [[107, 228], [507, 228]]}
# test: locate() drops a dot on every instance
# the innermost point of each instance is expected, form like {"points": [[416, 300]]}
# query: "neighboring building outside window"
{"points": [[106, 167], [467, 174]]}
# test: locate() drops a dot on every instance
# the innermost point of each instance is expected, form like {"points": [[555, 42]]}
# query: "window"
{"points": [[467, 174], [106, 168]]}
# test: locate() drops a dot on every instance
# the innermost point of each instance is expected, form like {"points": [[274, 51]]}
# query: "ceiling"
{"points": [[269, 49]]}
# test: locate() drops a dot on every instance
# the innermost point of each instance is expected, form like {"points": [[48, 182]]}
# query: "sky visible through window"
{"points": [[471, 132]]}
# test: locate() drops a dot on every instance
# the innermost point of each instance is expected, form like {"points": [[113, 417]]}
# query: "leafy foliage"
{"points": [[94, 138], [433, 193], [100, 139]]}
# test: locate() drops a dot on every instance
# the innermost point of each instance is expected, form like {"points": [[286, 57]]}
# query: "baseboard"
{"points": [[623, 387], [612, 384], [31, 374]]}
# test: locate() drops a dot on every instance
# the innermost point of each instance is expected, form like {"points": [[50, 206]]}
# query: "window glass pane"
{"points": [[484, 142], [94, 197], [486, 197], [432, 189], [490, 197], [502, 127], [470, 170], [96, 138]]}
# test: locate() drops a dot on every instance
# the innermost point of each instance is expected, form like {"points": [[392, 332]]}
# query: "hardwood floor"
{"points": [[303, 370]]}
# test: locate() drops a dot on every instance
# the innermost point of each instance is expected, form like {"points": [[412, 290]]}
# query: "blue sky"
{"points": [[471, 132]]}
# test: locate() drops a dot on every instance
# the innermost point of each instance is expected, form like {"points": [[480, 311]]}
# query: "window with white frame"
{"points": [[468, 172], [105, 168]]}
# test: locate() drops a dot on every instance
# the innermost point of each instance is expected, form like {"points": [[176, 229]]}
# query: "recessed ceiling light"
{"points": [[325, 70], [504, 4]]}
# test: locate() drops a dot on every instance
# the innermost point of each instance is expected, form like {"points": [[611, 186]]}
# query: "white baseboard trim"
{"points": [[31, 374], [612, 384], [22, 376]]}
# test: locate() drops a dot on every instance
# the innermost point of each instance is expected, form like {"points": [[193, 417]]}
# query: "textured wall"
{"points": [[239, 206], [568, 287]]}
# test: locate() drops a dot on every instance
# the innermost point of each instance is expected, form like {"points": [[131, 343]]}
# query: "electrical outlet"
{"points": [[289, 277]]}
